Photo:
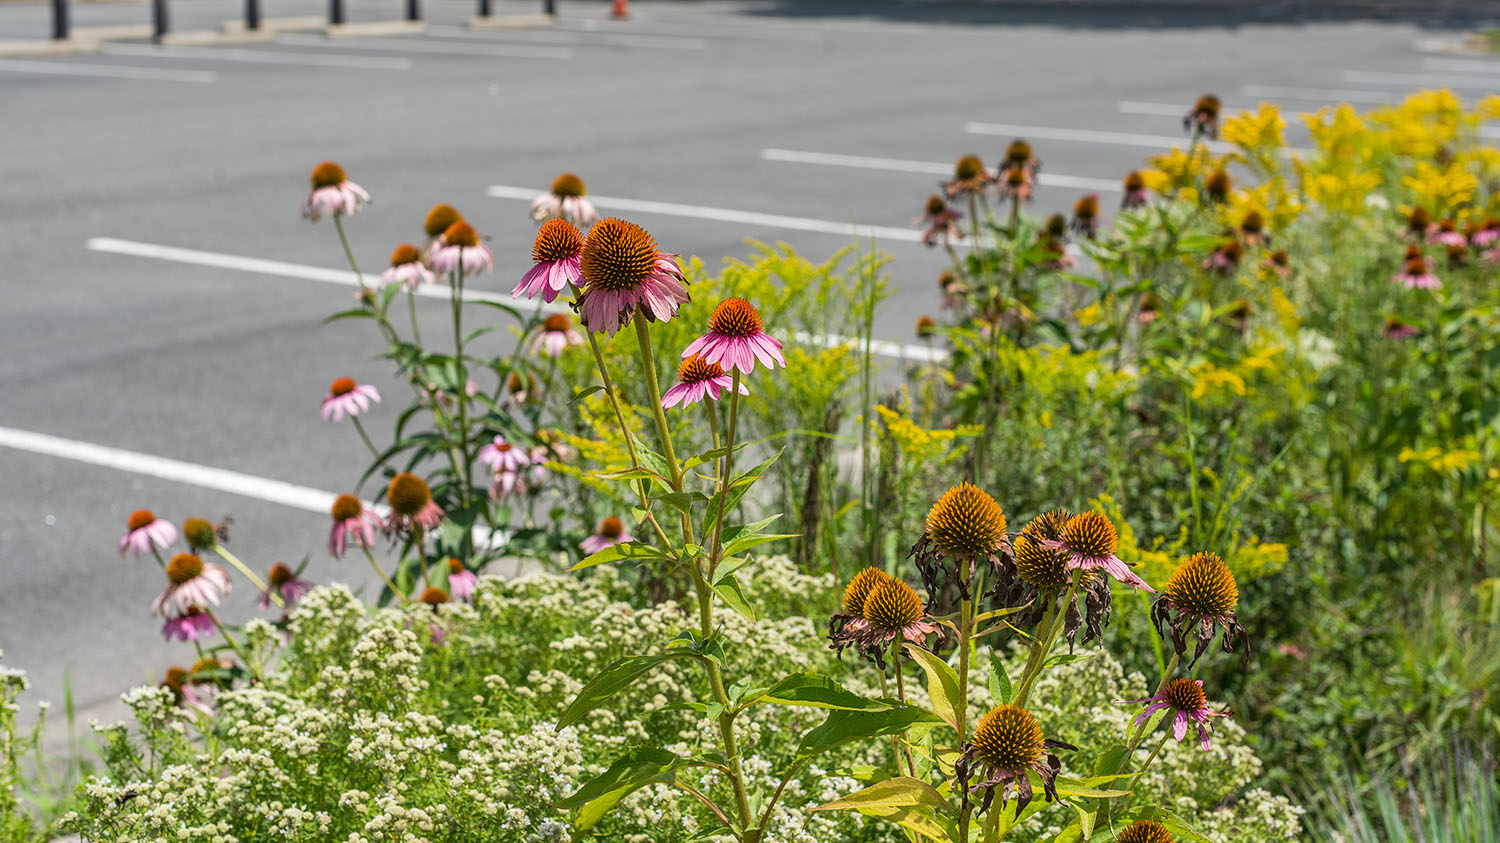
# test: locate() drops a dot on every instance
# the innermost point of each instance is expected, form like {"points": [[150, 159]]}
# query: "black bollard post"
{"points": [[60, 19], [550, 7], [159, 19], [252, 15], [335, 11], [484, 8], [413, 10]]}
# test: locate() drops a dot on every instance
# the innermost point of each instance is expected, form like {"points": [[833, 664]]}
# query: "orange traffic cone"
{"points": [[620, 10]]}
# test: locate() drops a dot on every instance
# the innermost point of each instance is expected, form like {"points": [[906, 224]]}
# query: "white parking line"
{"points": [[202, 476], [655, 42], [1456, 80], [1095, 136], [258, 57], [935, 168], [704, 212], [1323, 95], [426, 48], [1155, 109], [1462, 65], [1087, 136], [345, 278], [109, 71]]}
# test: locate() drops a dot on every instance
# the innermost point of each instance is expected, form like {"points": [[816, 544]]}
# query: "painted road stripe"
{"points": [[1462, 65], [935, 168], [1086, 136], [109, 71], [345, 278], [192, 474], [1319, 94], [704, 212], [258, 57], [428, 48], [1095, 136], [1457, 80], [202, 476], [655, 42]]}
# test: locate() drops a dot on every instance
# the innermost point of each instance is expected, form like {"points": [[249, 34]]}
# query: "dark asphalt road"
{"points": [[224, 368]]}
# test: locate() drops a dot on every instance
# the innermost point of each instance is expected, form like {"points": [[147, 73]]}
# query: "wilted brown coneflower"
{"points": [[1200, 598], [970, 178], [1133, 190], [1086, 215], [966, 526], [1008, 744], [1203, 120], [1216, 187], [1145, 831], [1042, 575], [939, 223]]}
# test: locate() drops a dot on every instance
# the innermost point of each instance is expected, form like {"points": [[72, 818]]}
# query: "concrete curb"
{"points": [[65, 47], [512, 22], [1470, 44], [396, 27]]}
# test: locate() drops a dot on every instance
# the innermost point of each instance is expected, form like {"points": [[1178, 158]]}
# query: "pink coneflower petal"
{"points": [[144, 532], [343, 198], [501, 455], [461, 581], [194, 625], [735, 339], [347, 398], [624, 274], [611, 532]]}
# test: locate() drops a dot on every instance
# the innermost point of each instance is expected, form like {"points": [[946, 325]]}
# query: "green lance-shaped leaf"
{"points": [[818, 691], [732, 593], [910, 803], [841, 727], [618, 552], [635, 769], [1000, 687], [942, 684], [615, 677]]}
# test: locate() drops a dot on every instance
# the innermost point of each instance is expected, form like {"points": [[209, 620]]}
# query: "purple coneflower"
{"points": [[345, 397], [1397, 329], [736, 339], [1278, 262], [438, 220], [411, 504], [1133, 190], [460, 249], [952, 289], [611, 532], [192, 625], [623, 272], [1145, 831], [1417, 275], [332, 193], [145, 532], [1015, 184], [190, 582], [1216, 187], [1418, 223], [1201, 597], [1447, 234], [1253, 228], [1089, 542], [970, 177], [461, 580], [407, 268], [1186, 698], [1486, 235], [556, 254], [1019, 156], [939, 222], [351, 521], [851, 620], [696, 380], [1203, 120], [501, 455], [184, 693], [286, 584], [1040, 574], [555, 337], [1007, 745], [1086, 215], [891, 612], [1226, 258], [965, 527], [565, 201]]}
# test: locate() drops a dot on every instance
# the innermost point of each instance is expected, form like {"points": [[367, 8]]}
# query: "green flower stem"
{"points": [[614, 401], [726, 477], [405, 600], [965, 644], [467, 472], [1147, 766], [249, 574], [233, 644], [375, 452], [156, 551], [1039, 656], [900, 745], [700, 584], [411, 309], [417, 545]]}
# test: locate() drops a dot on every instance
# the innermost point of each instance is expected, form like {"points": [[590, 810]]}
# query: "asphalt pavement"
{"points": [[143, 188]]}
